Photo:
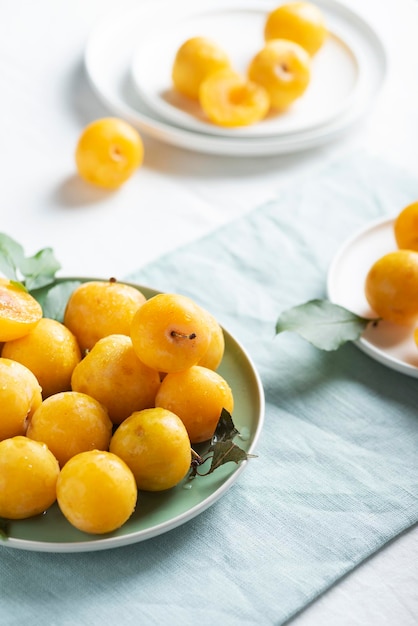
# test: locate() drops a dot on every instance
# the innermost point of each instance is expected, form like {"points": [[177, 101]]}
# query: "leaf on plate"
{"points": [[324, 324], [225, 429], [4, 528], [221, 449], [53, 298], [225, 452]]}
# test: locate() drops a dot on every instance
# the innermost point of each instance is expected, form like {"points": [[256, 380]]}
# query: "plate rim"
{"points": [[97, 543], [160, 130], [362, 343]]}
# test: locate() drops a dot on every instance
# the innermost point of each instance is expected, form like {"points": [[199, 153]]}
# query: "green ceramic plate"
{"points": [[157, 513]]}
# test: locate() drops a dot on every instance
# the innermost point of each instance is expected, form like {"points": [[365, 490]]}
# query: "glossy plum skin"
{"points": [[108, 152], [406, 227], [391, 286], [97, 308], [197, 395], [195, 60], [283, 68], [50, 351], [112, 374], [70, 422], [301, 22], [170, 332], [28, 478], [155, 445], [213, 356], [96, 492], [20, 396]]}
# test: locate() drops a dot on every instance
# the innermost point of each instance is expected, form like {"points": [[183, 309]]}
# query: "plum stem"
{"points": [[178, 335]]}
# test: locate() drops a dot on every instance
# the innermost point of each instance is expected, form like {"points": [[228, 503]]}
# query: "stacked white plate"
{"points": [[129, 57], [391, 344]]}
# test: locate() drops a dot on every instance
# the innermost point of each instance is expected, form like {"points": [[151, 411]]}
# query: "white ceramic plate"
{"points": [[113, 42], [239, 32], [387, 343], [158, 513]]}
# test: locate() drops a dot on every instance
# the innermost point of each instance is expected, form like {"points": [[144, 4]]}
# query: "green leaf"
{"points": [[53, 298], [325, 325], [225, 429], [11, 255], [40, 269], [225, 452], [222, 449], [33, 272], [18, 285], [4, 528], [36, 274]]}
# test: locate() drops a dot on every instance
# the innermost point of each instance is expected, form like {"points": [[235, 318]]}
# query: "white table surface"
{"points": [[176, 197]]}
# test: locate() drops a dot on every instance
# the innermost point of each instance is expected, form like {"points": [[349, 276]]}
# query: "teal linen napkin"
{"points": [[336, 475]]}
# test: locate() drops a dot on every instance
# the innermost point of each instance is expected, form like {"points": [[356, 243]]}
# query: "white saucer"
{"points": [[113, 42], [387, 343], [239, 32]]}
